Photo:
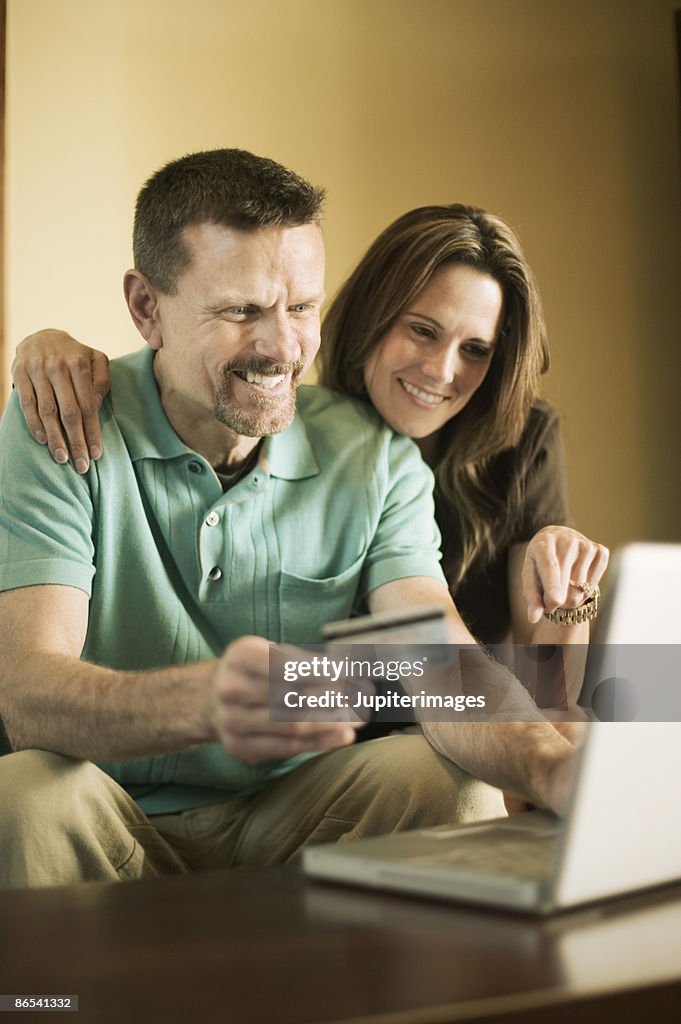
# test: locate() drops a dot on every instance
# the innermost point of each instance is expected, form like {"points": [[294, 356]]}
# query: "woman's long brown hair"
{"points": [[397, 266]]}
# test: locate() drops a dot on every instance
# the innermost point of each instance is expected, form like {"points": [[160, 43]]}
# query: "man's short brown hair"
{"points": [[231, 187]]}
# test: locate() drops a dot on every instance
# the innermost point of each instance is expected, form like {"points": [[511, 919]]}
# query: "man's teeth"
{"points": [[265, 381], [424, 396]]}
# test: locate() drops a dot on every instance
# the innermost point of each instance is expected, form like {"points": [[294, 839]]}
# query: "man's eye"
{"points": [[300, 307], [239, 310]]}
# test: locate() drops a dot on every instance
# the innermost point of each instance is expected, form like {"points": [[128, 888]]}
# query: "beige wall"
{"points": [[560, 114]]}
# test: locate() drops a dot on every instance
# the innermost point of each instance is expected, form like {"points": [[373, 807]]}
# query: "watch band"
{"points": [[586, 612]]}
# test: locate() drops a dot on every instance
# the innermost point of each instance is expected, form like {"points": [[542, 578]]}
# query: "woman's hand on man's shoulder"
{"points": [[60, 384]]}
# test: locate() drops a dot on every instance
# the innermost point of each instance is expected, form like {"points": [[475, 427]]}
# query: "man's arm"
{"points": [[51, 700], [529, 757]]}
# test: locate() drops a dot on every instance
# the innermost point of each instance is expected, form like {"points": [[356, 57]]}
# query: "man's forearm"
{"points": [[87, 711], [511, 744], [531, 759]]}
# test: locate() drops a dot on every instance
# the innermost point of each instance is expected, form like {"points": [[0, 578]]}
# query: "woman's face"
{"points": [[430, 363]]}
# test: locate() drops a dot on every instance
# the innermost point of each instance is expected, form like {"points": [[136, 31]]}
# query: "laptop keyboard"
{"points": [[500, 851]]}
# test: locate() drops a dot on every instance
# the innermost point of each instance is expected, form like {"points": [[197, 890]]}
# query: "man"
{"points": [[136, 599]]}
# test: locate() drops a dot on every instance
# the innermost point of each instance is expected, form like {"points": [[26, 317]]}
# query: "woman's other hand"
{"points": [[61, 384], [554, 556]]}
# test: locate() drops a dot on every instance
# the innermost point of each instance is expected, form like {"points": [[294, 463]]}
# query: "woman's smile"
{"points": [[420, 394]]}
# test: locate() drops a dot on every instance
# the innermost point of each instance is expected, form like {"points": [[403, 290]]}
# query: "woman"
{"points": [[440, 326]]}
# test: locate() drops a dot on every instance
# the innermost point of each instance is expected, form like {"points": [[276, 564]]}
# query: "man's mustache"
{"points": [[265, 367]]}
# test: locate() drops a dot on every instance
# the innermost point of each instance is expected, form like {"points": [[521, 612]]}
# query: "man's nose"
{"points": [[277, 338]]}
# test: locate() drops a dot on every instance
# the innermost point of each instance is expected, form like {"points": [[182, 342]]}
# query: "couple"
{"points": [[440, 329]]}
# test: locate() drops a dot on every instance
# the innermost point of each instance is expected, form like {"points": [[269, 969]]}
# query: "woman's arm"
{"points": [[544, 558], [61, 384], [539, 575]]}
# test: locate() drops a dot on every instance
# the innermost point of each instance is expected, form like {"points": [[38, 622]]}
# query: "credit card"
{"points": [[413, 626]]}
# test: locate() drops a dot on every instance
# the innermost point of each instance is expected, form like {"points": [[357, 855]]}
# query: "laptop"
{"points": [[622, 829]]}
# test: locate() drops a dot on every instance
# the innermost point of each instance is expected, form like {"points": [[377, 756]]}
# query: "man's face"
{"points": [[235, 340]]}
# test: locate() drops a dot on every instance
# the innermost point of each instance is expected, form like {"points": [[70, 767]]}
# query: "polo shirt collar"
{"points": [[290, 455], [149, 435], [138, 410]]}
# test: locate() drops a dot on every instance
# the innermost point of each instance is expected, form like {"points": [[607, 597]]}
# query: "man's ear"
{"points": [[142, 300]]}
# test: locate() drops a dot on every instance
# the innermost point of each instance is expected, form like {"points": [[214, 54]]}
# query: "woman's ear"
{"points": [[142, 301]]}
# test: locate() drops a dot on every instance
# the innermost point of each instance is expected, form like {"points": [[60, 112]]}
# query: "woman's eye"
{"points": [[478, 351], [422, 331]]}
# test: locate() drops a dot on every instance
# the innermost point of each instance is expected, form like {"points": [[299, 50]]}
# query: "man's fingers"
{"points": [[514, 804], [243, 714], [245, 662], [282, 740], [252, 719], [257, 749]]}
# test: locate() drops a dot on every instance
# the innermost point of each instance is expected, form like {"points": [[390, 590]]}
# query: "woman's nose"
{"points": [[442, 364]]}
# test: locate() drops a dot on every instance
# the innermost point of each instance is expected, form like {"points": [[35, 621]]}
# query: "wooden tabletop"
{"points": [[268, 947]]}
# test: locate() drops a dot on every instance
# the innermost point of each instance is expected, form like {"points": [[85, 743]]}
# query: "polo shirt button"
{"points": [[215, 573], [212, 519], [195, 467]]}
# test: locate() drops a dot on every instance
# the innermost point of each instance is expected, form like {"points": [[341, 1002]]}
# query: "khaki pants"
{"points": [[64, 821]]}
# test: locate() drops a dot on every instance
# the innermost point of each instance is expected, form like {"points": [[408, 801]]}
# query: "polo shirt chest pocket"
{"points": [[306, 604]]}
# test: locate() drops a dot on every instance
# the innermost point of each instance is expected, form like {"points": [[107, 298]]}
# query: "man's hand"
{"points": [[524, 754], [554, 556], [241, 711], [61, 384], [559, 777]]}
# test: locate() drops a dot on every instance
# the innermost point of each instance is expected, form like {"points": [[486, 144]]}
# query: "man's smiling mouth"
{"points": [[265, 375], [261, 379]]}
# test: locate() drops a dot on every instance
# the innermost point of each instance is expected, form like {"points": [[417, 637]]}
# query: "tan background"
{"points": [[563, 115]]}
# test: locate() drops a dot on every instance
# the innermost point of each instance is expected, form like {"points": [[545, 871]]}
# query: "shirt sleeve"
{"points": [[46, 513], [407, 540]]}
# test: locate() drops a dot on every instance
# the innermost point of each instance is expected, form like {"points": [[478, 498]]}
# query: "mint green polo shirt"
{"points": [[336, 506]]}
